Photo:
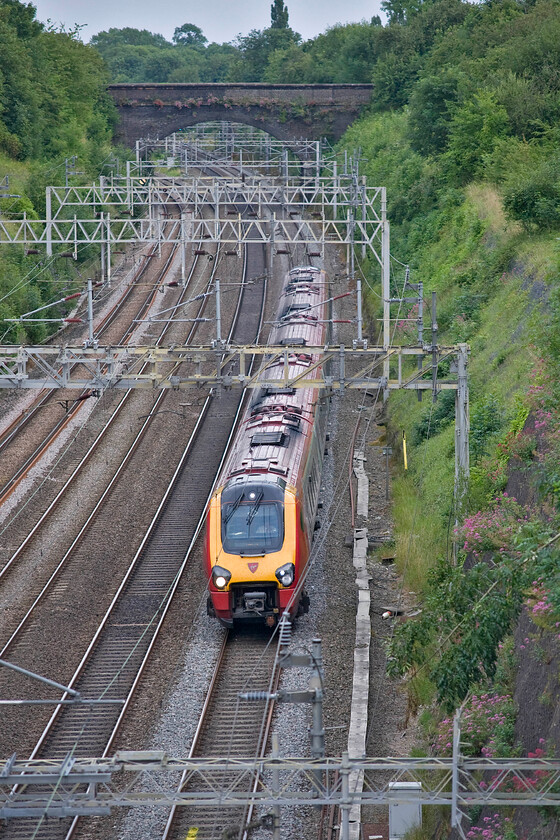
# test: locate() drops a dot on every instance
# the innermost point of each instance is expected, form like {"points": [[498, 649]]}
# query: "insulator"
{"points": [[255, 695]]}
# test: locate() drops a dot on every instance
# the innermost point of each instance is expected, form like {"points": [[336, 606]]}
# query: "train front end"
{"points": [[253, 548]]}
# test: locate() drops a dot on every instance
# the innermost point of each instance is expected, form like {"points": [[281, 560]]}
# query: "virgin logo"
{"points": [[253, 567]]}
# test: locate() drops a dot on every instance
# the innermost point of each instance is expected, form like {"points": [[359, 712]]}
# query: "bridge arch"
{"points": [[286, 112]]}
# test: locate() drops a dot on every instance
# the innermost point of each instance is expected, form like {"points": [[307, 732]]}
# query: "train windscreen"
{"points": [[252, 519]]}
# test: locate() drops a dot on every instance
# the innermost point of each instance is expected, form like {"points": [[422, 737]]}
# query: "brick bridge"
{"points": [[287, 112]]}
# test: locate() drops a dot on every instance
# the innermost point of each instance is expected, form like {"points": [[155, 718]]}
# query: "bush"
{"points": [[487, 719], [487, 418], [535, 199], [474, 130], [436, 418]]}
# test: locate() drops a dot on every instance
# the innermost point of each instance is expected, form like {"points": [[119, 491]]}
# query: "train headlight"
{"points": [[285, 574], [220, 577]]}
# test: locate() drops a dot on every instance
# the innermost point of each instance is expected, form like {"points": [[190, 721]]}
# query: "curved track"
{"points": [[117, 652]]}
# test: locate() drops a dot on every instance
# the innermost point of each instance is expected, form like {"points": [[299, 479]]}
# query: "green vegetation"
{"points": [[53, 106], [467, 147], [134, 55], [463, 131]]}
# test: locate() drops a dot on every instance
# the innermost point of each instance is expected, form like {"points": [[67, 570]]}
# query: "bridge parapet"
{"points": [[284, 111]]}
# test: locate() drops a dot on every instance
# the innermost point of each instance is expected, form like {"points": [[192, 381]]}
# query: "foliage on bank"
{"points": [[466, 141], [53, 108], [467, 147]]}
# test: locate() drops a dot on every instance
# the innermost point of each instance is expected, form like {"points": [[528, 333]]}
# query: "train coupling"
{"points": [[254, 602]]}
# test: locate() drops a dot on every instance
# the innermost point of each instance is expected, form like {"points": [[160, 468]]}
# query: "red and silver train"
{"points": [[261, 518]]}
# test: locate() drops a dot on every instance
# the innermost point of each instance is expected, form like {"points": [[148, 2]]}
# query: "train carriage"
{"points": [[261, 518]]}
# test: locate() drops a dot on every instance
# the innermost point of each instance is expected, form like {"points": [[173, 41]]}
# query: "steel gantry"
{"points": [[224, 230], [225, 145], [94, 786], [224, 366], [328, 195]]}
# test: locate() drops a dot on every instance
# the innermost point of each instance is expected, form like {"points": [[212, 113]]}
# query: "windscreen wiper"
{"points": [[234, 507], [253, 512]]}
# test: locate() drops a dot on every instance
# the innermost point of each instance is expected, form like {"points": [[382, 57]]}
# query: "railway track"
{"points": [[228, 726], [113, 665], [82, 463], [108, 328], [116, 656]]}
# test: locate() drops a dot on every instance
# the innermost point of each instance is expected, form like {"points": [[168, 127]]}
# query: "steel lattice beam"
{"points": [[180, 367], [224, 231], [295, 193], [138, 779]]}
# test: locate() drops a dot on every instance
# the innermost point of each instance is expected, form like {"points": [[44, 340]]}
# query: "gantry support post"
{"points": [[462, 425], [103, 248], [218, 314], [385, 282], [316, 687], [183, 249], [129, 199], [271, 246], [108, 250], [49, 221], [276, 788], [346, 799], [90, 311]]}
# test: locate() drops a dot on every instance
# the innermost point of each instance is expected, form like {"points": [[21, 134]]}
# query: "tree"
{"points": [[255, 50], [432, 103], [189, 35], [279, 15], [21, 17], [473, 131], [113, 37], [400, 11], [292, 66]]}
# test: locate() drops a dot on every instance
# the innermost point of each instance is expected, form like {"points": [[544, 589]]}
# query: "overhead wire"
{"points": [[156, 612], [320, 543]]}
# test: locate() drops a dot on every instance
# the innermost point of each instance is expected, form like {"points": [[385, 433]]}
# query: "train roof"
{"points": [[278, 421]]}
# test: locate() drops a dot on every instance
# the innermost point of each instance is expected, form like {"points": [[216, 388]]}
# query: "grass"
{"points": [[488, 203], [420, 535], [464, 261]]}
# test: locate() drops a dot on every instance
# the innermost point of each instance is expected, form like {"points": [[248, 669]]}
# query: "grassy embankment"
{"points": [[497, 287], [493, 281]]}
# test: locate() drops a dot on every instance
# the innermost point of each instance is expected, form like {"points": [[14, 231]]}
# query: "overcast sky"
{"points": [[220, 20]]}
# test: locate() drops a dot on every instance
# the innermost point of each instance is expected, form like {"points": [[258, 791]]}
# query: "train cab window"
{"points": [[252, 518]]}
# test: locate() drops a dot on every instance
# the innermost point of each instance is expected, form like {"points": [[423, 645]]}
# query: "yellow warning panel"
{"points": [[192, 834]]}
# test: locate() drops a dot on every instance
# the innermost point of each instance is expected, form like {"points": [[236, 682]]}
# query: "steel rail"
{"points": [[219, 709], [199, 426], [171, 593], [82, 463], [37, 454], [16, 425], [95, 444], [42, 739], [98, 505]]}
